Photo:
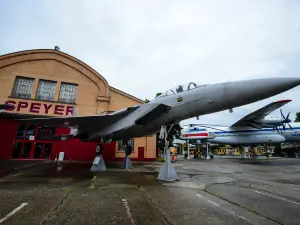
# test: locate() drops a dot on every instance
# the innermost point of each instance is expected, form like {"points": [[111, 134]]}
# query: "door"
{"points": [[24, 142], [141, 152], [42, 150], [32, 142]]}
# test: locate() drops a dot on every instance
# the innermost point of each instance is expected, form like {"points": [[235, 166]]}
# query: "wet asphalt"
{"points": [[208, 192]]}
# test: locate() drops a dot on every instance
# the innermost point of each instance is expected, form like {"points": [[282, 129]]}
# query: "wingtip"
{"points": [[285, 100]]}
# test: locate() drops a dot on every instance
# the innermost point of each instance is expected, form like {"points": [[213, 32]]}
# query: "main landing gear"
{"points": [[167, 171], [98, 163], [127, 164]]}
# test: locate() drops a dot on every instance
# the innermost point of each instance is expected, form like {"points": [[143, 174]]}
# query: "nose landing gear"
{"points": [[167, 171]]}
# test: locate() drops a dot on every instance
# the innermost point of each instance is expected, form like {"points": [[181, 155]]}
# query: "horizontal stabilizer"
{"points": [[260, 113], [152, 112]]}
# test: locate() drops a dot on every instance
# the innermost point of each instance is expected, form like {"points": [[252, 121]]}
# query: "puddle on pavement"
{"points": [[127, 178], [67, 173]]}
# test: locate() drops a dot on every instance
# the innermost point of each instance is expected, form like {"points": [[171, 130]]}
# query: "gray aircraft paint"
{"points": [[195, 102], [249, 135]]}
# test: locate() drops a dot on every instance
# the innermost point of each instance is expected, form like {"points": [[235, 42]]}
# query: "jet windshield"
{"points": [[181, 88]]}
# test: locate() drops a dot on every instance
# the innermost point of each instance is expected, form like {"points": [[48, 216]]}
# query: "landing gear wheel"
{"points": [[98, 164], [99, 149], [128, 150], [127, 164]]}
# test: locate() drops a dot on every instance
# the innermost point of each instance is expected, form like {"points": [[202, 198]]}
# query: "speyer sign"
{"points": [[41, 107]]}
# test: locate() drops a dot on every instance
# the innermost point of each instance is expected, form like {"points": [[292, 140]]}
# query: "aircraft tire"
{"points": [[99, 149]]}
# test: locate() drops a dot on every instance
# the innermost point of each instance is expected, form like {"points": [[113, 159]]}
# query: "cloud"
{"points": [[145, 47]]}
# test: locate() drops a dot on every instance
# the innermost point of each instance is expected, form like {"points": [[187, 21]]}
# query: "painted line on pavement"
{"points": [[128, 211], [13, 212], [230, 211], [92, 184], [278, 198], [216, 204]]}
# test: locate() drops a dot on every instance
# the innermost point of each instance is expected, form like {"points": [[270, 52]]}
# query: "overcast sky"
{"points": [[145, 47]]}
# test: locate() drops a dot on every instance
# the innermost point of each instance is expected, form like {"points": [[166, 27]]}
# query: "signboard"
{"points": [[31, 137], [61, 156], [23, 106]]}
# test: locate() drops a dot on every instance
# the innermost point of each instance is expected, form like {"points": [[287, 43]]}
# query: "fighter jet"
{"points": [[180, 103]]}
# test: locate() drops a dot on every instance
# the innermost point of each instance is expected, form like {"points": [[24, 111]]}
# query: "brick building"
{"points": [[52, 83]]}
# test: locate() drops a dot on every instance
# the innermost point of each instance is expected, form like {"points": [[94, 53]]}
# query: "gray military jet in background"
{"points": [[180, 103]]}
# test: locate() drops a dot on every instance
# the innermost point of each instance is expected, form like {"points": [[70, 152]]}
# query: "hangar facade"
{"points": [[48, 82]]}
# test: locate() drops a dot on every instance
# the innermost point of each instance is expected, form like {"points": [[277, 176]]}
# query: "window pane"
{"points": [[23, 87], [121, 146], [38, 150], [68, 93], [21, 132], [17, 150], [47, 150], [30, 131], [45, 132], [46, 90], [26, 150]]}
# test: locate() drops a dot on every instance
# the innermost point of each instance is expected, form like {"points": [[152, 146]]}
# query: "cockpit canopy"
{"points": [[181, 88]]}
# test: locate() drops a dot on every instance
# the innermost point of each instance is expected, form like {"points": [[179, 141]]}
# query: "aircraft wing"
{"points": [[82, 122], [153, 111], [88, 123], [260, 113]]}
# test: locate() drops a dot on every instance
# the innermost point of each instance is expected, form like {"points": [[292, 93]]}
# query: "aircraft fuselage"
{"points": [[248, 135], [196, 102]]}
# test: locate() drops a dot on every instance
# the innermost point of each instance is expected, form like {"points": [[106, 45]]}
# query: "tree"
{"points": [[158, 94], [175, 132], [147, 100], [297, 117]]}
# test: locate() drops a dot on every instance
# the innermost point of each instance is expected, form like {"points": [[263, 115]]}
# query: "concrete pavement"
{"points": [[209, 192]]}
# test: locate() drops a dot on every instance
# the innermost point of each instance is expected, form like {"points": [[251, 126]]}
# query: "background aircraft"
{"points": [[183, 102], [255, 128]]}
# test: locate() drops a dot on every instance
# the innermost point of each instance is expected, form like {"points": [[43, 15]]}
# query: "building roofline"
{"points": [[126, 94], [30, 51]]}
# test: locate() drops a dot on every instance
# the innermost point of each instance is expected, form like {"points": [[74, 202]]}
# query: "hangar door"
{"points": [[32, 142]]}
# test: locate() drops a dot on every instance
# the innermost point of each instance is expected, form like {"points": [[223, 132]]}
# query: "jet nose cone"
{"points": [[249, 91], [286, 81], [281, 84]]}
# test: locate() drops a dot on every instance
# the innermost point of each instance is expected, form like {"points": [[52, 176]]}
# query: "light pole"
{"points": [[207, 156], [188, 145]]}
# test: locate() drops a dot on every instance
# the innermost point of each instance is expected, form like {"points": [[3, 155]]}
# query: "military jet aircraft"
{"points": [[183, 102]]}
